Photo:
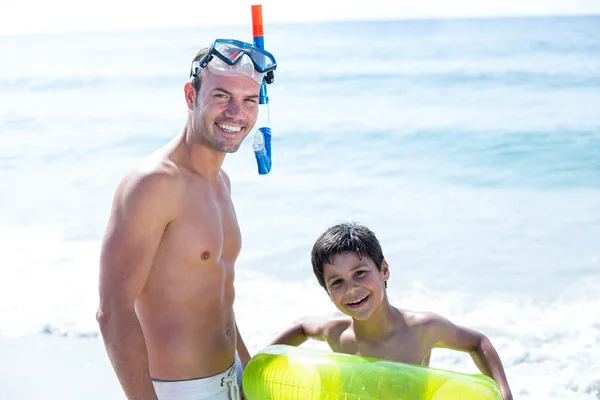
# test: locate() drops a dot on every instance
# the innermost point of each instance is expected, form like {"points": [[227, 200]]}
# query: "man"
{"points": [[168, 255]]}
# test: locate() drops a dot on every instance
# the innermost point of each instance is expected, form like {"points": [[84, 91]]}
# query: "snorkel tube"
{"points": [[262, 137]]}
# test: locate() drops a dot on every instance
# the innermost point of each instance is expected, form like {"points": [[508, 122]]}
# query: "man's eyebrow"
{"points": [[252, 96], [222, 90]]}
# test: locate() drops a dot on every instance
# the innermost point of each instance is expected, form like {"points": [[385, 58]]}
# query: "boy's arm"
{"points": [[451, 336], [299, 332]]}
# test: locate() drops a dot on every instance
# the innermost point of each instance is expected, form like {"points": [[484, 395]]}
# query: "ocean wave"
{"points": [[75, 82], [457, 78]]}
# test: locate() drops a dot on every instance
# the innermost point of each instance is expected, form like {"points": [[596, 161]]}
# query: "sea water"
{"points": [[471, 147]]}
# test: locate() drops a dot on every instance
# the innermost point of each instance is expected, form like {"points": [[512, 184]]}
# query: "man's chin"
{"points": [[228, 149], [225, 146]]}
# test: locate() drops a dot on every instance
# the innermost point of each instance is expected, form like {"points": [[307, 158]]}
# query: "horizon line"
{"points": [[300, 22]]}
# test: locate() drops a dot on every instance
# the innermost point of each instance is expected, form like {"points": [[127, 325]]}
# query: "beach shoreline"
{"points": [[44, 366]]}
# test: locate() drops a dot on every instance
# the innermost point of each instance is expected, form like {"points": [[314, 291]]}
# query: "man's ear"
{"points": [[190, 95]]}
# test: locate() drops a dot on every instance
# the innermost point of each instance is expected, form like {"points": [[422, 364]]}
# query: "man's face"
{"points": [[225, 110]]}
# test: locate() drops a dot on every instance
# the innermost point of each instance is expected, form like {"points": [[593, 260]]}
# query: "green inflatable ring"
{"points": [[293, 373]]}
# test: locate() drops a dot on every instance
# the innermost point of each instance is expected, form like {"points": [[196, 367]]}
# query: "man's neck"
{"points": [[203, 159]]}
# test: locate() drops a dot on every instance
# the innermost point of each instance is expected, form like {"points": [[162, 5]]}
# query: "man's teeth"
{"points": [[230, 128], [358, 301]]}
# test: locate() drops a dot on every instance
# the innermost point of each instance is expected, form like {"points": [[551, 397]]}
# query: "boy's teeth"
{"points": [[358, 301], [230, 128]]}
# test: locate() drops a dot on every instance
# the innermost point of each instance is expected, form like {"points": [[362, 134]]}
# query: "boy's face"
{"points": [[355, 285]]}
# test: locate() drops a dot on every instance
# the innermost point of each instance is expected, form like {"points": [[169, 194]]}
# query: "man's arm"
{"points": [[451, 336], [142, 207], [299, 332], [243, 353], [241, 348]]}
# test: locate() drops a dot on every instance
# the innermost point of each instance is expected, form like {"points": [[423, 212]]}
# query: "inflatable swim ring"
{"points": [[283, 372]]}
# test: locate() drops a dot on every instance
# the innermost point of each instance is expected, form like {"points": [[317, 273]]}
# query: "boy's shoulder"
{"points": [[327, 327], [333, 324], [417, 319], [412, 318], [337, 321]]}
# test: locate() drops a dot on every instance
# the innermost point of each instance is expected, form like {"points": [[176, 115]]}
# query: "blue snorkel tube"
{"points": [[262, 137]]}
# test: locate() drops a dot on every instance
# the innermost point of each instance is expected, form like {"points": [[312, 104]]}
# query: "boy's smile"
{"points": [[358, 302]]}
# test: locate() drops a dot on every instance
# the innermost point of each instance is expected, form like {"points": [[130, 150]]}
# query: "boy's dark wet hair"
{"points": [[343, 238]]}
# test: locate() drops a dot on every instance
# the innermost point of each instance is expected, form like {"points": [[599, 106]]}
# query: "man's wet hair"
{"points": [[197, 80]]}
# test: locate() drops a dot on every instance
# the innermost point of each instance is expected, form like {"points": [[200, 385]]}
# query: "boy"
{"points": [[348, 262]]}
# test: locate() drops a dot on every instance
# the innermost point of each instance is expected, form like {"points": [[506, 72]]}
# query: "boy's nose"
{"points": [[351, 289]]}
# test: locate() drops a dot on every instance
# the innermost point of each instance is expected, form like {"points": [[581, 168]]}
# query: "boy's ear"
{"points": [[385, 270]]}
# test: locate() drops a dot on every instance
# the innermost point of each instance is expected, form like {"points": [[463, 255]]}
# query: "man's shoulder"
{"points": [[154, 178]]}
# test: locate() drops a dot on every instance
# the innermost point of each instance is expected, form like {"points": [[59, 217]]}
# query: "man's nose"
{"points": [[234, 109]]}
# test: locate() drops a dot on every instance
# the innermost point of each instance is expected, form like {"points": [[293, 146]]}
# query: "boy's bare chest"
{"points": [[402, 347]]}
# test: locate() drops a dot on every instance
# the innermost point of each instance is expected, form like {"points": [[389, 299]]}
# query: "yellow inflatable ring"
{"points": [[294, 373]]}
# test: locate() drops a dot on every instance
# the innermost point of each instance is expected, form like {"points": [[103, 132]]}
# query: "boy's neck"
{"points": [[382, 323]]}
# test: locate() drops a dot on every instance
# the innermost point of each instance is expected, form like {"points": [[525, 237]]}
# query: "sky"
{"points": [[60, 16]]}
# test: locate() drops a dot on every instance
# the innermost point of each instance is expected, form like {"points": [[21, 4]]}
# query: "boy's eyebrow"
{"points": [[330, 277]]}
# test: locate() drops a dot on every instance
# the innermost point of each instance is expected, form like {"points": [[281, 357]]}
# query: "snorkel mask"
{"points": [[234, 58]]}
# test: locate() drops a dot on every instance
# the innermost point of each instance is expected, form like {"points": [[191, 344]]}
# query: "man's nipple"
{"points": [[205, 255]]}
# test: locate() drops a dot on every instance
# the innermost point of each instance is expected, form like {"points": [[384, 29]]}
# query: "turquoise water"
{"points": [[471, 147]]}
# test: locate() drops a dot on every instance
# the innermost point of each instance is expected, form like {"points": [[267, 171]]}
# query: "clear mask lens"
{"points": [[231, 51], [244, 67]]}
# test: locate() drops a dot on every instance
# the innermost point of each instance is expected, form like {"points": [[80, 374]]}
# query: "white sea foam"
{"points": [[550, 349]]}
